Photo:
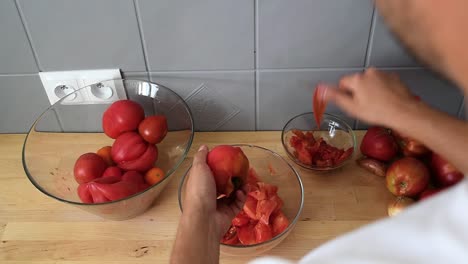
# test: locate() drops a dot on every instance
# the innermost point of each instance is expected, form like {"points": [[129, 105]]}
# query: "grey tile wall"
{"points": [[240, 65]]}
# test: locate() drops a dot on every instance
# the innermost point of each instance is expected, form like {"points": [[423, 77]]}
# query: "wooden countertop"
{"points": [[37, 229]]}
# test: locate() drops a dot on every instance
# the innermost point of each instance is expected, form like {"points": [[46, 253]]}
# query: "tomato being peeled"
{"points": [[88, 167], [122, 116], [153, 129]]}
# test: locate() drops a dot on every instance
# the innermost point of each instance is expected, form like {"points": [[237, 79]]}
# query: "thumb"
{"points": [[200, 156], [342, 99]]}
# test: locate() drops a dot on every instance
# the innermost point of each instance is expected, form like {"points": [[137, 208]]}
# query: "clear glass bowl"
{"points": [[333, 130], [273, 169], [64, 132]]}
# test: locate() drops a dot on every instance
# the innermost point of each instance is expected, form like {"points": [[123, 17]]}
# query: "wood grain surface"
{"points": [[35, 228]]}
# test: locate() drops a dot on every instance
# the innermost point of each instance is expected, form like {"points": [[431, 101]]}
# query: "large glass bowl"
{"points": [[273, 169], [333, 130], [69, 129]]}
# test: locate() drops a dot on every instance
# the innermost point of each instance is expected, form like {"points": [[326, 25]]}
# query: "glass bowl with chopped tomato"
{"points": [[323, 147], [275, 199], [70, 153]]}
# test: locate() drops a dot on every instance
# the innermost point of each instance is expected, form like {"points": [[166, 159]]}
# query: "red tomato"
{"points": [[264, 209], [153, 128], [250, 207], [319, 103], [279, 223], [88, 167], [241, 219], [246, 234], [105, 154], [278, 201], [258, 194], [131, 152], [230, 238], [83, 193], [114, 191], [269, 189], [112, 171], [133, 176], [262, 232], [122, 116], [154, 175]]}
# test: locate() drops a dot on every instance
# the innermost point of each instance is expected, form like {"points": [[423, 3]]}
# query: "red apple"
{"points": [[230, 167], [428, 193], [446, 174], [379, 144], [399, 204], [407, 177]]}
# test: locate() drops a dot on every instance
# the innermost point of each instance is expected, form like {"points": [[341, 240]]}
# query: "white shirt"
{"points": [[432, 231]]}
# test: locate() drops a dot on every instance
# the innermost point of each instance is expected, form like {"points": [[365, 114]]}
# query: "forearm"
{"points": [[197, 239], [440, 132]]}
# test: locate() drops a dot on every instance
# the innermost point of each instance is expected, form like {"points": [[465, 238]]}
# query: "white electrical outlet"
{"points": [[104, 86]]}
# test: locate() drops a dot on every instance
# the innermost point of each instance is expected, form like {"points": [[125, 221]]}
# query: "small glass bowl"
{"points": [[70, 128], [273, 169], [333, 130]]}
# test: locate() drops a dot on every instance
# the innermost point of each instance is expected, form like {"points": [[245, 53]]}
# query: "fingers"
{"points": [[200, 156], [239, 202]]}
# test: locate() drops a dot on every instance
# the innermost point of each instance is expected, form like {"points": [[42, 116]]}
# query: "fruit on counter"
{"points": [[154, 175], [153, 129], [317, 152], [445, 173], [131, 152], [261, 218], [397, 205], [409, 146], [122, 116], [428, 193], [379, 144], [375, 166], [230, 167], [105, 154], [407, 177], [88, 167], [318, 102]]}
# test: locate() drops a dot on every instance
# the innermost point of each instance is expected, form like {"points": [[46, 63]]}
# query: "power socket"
{"points": [[103, 86]]}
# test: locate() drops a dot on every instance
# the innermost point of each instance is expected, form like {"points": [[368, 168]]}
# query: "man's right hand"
{"points": [[373, 96]]}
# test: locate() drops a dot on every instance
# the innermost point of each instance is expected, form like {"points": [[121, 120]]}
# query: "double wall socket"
{"points": [[102, 86]]}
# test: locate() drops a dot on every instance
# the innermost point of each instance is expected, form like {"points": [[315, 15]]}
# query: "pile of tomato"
{"points": [[127, 167], [261, 218], [317, 152]]}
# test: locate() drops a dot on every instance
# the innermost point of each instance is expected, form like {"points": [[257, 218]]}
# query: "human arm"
{"points": [[204, 220], [381, 98]]}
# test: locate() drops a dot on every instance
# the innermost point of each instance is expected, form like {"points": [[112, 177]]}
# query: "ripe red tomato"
{"points": [[112, 171], [131, 152], [153, 129], [88, 167], [83, 193], [262, 232], [122, 116], [246, 234], [154, 175], [105, 154]]}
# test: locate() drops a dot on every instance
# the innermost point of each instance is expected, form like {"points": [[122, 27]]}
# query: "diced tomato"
{"points": [[230, 238], [264, 210], [241, 219], [304, 156], [309, 137], [269, 189], [279, 223], [262, 232], [298, 133], [250, 207], [344, 156], [258, 194], [295, 142], [250, 187], [246, 234], [279, 202]]}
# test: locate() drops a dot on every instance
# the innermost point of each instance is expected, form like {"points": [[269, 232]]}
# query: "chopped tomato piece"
{"points": [[264, 210], [258, 194], [269, 189], [230, 238], [241, 219], [246, 234], [262, 232], [279, 202], [279, 223], [250, 207]]}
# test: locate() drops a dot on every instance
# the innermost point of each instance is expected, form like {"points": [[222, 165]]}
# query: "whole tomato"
{"points": [[105, 154], [88, 167], [122, 116], [153, 129], [131, 152], [379, 144]]}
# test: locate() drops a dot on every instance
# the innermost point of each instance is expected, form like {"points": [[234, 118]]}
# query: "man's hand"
{"points": [[200, 194], [373, 96]]}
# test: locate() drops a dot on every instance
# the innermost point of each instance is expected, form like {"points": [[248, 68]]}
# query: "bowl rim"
{"points": [[168, 175], [291, 224], [291, 156]]}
